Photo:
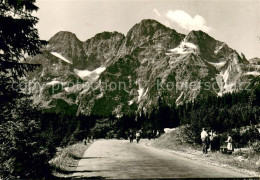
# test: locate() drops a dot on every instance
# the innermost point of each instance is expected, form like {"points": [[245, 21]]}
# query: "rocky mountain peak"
{"points": [[150, 35], [204, 42], [199, 38], [101, 48], [147, 23], [63, 36], [147, 28], [67, 45]]}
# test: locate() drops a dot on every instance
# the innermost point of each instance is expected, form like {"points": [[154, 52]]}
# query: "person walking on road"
{"points": [[84, 141], [211, 139], [204, 136], [131, 137], [138, 136]]}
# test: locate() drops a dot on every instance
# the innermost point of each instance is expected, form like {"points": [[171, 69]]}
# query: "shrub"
{"points": [[23, 153]]}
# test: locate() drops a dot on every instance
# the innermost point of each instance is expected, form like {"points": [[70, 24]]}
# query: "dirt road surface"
{"points": [[120, 159]]}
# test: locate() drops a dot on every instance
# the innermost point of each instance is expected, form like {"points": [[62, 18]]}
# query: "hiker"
{"points": [[131, 137], [84, 141], [211, 139], [204, 136], [149, 134], [207, 143], [217, 142], [138, 136], [157, 134], [229, 144], [214, 143]]}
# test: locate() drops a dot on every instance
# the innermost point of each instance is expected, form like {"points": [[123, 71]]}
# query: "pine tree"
{"points": [[21, 153], [18, 36], [18, 39]]}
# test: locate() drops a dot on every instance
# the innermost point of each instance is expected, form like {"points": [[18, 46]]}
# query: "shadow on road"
{"points": [[93, 177], [79, 177], [87, 157], [66, 172]]}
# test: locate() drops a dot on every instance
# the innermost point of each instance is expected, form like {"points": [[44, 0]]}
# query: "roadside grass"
{"points": [[243, 159], [246, 159], [66, 159], [175, 140]]}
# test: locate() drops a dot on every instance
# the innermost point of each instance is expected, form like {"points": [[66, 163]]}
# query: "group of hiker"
{"points": [[150, 134], [88, 140], [137, 135], [211, 142]]}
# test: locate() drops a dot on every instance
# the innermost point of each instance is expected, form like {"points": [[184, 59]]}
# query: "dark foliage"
{"points": [[222, 114], [23, 151]]}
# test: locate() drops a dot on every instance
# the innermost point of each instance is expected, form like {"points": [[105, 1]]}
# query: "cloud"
{"points": [[157, 12], [187, 22]]}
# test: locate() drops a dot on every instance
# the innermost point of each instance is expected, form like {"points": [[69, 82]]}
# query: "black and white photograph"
{"points": [[129, 89]]}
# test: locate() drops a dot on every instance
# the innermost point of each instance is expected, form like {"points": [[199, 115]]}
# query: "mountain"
{"points": [[113, 73]]}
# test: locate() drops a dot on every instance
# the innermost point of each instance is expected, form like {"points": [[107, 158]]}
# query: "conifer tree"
{"points": [[18, 39], [19, 146]]}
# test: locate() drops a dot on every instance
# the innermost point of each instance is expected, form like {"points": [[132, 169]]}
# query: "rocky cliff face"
{"points": [[113, 73]]}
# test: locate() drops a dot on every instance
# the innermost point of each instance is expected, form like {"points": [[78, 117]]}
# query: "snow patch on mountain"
{"points": [[226, 83], [67, 89], [222, 81], [100, 96], [100, 70], [86, 73], [254, 73], [225, 76], [184, 48], [61, 57], [228, 78], [82, 73], [219, 80], [218, 65], [228, 86], [140, 93], [73, 89], [130, 102], [53, 82]]}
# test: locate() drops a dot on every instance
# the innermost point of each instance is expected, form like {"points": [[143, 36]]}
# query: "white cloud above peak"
{"points": [[186, 21]]}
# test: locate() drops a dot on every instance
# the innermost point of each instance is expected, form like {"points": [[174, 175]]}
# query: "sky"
{"points": [[236, 22]]}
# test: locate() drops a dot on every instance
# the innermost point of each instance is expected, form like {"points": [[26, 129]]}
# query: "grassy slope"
{"points": [[241, 160], [66, 159]]}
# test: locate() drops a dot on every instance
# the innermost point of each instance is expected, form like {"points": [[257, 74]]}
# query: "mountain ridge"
{"points": [[155, 56]]}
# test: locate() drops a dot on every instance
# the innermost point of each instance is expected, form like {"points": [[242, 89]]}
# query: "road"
{"points": [[119, 159]]}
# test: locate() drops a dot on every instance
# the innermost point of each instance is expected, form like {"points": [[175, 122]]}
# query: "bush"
{"points": [[256, 145], [24, 153], [101, 128]]}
